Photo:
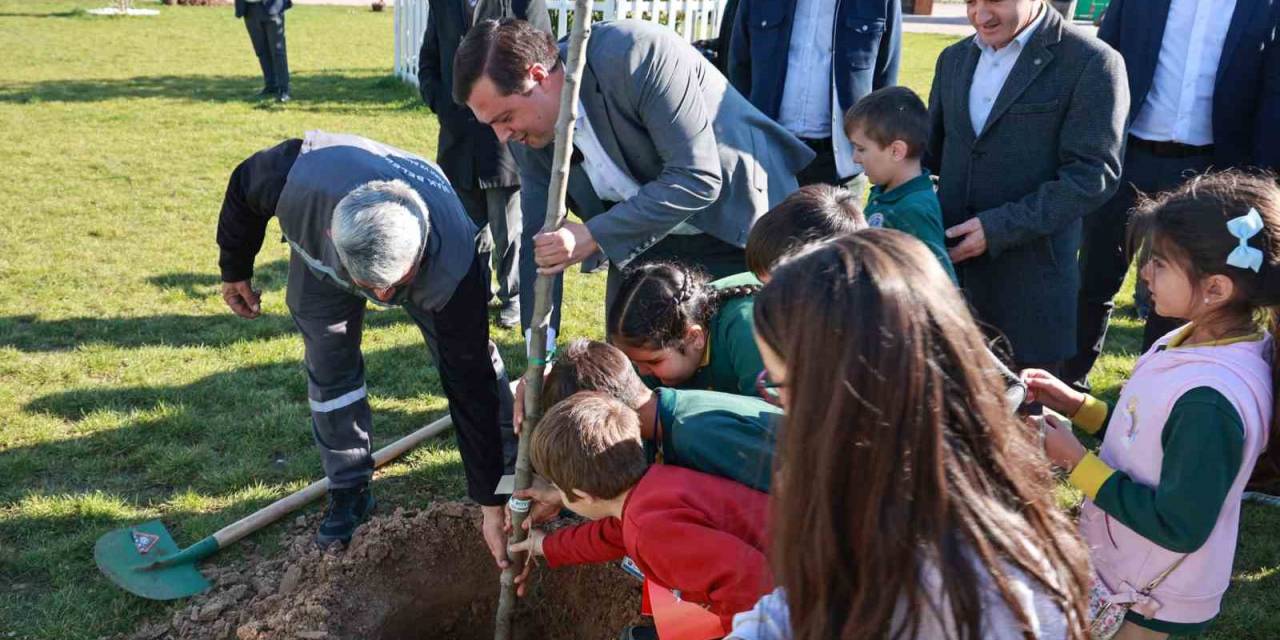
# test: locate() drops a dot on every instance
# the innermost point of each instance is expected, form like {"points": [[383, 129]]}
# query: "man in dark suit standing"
{"points": [[804, 63], [1027, 118], [264, 19], [1205, 82], [480, 167]]}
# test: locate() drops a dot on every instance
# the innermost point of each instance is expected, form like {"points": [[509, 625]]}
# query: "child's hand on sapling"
{"points": [[532, 546], [546, 504]]}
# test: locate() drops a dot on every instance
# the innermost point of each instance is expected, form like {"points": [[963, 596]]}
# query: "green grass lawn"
{"points": [[127, 391]]}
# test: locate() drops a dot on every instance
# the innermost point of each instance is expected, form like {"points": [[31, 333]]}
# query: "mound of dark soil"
{"points": [[407, 576]]}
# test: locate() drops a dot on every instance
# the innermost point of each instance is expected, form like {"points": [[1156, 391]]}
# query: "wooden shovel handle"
{"points": [[283, 506]]}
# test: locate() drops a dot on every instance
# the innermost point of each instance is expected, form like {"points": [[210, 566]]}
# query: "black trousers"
{"points": [[497, 211], [823, 167], [1104, 260], [267, 34], [471, 372]]}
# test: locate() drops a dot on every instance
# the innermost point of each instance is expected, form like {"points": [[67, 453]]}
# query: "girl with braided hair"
{"points": [[683, 330]]}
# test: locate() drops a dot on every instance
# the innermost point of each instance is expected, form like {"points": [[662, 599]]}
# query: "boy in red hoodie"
{"points": [[699, 535]]}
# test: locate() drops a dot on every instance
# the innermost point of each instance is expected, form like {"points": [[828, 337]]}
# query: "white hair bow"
{"points": [[1243, 228]]}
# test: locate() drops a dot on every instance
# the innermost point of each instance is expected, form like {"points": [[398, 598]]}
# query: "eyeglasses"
{"points": [[768, 390]]}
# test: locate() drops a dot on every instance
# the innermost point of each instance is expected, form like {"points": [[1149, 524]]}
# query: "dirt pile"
{"points": [[407, 576]]}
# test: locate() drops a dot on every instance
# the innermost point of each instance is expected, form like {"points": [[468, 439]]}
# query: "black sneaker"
{"points": [[639, 632], [348, 509], [266, 93]]}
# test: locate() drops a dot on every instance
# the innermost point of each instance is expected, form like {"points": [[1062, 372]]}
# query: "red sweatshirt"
{"points": [[696, 533]]}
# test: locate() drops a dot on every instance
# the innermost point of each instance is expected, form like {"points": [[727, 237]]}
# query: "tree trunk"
{"points": [[542, 304]]}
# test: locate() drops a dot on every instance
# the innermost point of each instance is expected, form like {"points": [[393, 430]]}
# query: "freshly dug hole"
{"points": [[443, 584], [408, 576]]}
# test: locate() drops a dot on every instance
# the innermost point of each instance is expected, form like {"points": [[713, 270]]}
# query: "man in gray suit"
{"points": [[675, 163], [1027, 122]]}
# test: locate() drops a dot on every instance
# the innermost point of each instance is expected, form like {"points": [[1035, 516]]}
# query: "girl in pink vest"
{"points": [[1164, 489]]}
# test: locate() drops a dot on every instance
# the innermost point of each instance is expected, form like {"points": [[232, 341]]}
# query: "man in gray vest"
{"points": [[367, 222]]}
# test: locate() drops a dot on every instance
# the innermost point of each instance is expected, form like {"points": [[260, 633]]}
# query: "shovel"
{"points": [[145, 561]]}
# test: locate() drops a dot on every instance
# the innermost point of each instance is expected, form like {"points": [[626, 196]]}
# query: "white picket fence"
{"points": [[692, 19]]}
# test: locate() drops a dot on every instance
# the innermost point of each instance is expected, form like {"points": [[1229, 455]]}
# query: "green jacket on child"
{"points": [[912, 208]]}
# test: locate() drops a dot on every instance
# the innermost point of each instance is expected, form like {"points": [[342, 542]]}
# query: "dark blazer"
{"points": [[867, 48], [273, 7], [1246, 98], [467, 150], [1049, 153]]}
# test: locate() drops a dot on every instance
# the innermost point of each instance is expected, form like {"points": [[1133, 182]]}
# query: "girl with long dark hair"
{"points": [[908, 502]]}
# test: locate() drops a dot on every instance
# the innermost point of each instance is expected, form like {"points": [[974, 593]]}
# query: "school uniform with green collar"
{"points": [[912, 208], [722, 434], [732, 360], [1166, 484]]}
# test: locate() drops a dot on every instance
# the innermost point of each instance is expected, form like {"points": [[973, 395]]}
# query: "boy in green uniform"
{"points": [[722, 434], [889, 129]]}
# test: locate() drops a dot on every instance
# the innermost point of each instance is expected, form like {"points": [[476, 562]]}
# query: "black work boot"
{"points": [[639, 632], [348, 509]]}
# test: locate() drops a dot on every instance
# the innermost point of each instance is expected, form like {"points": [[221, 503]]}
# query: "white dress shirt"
{"points": [[610, 181], [993, 69], [806, 94], [1179, 105]]}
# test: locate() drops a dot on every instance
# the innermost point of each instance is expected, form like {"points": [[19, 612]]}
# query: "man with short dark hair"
{"points": [[264, 19], [367, 222], [672, 163]]}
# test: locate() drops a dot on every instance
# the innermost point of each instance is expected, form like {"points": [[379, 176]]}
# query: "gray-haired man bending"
{"points": [[367, 222]]}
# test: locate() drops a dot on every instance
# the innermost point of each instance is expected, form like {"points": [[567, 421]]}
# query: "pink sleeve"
{"points": [[590, 542]]}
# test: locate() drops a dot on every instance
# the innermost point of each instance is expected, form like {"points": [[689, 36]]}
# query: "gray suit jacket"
{"points": [[1048, 155], [701, 153]]}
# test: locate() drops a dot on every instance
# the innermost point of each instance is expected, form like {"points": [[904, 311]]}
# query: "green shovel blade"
{"points": [[144, 560]]}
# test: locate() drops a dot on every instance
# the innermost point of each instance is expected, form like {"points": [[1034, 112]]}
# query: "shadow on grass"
{"points": [[215, 435], [1250, 603], [73, 13], [221, 431], [33, 335], [320, 91], [196, 285], [30, 334]]}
